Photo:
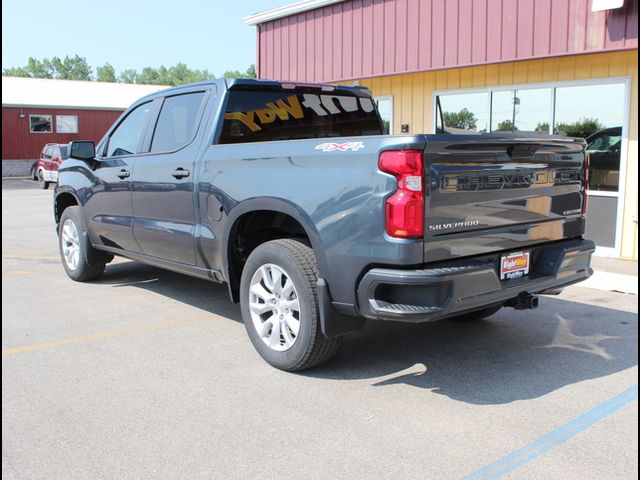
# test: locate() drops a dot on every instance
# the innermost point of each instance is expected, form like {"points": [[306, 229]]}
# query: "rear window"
{"points": [[252, 116], [64, 149]]}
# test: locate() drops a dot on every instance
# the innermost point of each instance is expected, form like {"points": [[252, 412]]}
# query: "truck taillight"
{"points": [[585, 198], [404, 210]]}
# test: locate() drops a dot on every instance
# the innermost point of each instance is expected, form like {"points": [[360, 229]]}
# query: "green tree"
{"points": [[506, 126], [251, 71], [233, 74], [581, 128], [106, 73], [542, 127], [464, 119], [71, 68], [15, 72], [129, 75]]}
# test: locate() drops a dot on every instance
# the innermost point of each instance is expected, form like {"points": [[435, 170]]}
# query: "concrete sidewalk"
{"points": [[614, 275]]}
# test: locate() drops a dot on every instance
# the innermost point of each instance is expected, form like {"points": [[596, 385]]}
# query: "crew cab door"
{"points": [[108, 203], [163, 181]]}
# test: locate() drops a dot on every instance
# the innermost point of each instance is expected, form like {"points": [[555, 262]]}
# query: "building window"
{"points": [[522, 110], [40, 123], [385, 109], [592, 111], [465, 112], [66, 124]]}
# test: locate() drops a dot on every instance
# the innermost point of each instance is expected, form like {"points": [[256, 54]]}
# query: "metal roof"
{"points": [[44, 92], [287, 10]]}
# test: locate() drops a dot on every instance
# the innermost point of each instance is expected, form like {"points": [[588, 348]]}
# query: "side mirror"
{"points": [[82, 150]]}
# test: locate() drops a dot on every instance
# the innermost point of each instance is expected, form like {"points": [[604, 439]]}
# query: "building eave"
{"points": [[286, 11]]}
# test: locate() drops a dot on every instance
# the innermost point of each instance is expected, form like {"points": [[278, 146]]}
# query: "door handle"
{"points": [[180, 173], [123, 173]]}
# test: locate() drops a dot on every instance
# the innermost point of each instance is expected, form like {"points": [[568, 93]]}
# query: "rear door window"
{"points": [[177, 122], [261, 116]]}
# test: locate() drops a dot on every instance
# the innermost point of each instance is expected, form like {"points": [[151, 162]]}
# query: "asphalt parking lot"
{"points": [[149, 374]]}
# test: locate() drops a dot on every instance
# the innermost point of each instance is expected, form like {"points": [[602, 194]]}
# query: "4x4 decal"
{"points": [[341, 147]]}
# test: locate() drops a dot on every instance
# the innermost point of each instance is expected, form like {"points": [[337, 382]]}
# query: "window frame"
{"points": [[31, 115]]}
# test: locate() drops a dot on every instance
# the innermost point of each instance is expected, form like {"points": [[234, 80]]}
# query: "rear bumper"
{"points": [[432, 293]]}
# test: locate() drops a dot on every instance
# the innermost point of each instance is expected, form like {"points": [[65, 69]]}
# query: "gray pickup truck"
{"points": [[292, 196]]}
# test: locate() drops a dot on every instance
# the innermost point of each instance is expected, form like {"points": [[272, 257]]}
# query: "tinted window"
{"points": [[263, 116], [177, 122], [127, 137], [65, 151]]}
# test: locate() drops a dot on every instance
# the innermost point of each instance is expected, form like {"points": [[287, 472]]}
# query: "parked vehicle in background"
{"points": [[317, 222], [604, 151], [46, 168]]}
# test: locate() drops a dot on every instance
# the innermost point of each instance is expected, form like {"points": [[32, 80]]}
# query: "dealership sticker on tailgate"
{"points": [[514, 265]]}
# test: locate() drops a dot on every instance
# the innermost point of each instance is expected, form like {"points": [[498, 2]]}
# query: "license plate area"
{"points": [[514, 265]]}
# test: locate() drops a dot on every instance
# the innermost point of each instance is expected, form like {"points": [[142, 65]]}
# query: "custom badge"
{"points": [[341, 147]]}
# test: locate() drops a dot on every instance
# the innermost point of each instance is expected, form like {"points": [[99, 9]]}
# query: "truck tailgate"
{"points": [[489, 193]]}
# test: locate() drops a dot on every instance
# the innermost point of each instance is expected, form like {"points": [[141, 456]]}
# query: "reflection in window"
{"points": [[40, 123], [385, 109], [66, 124], [127, 137], [594, 112], [604, 149], [527, 110], [465, 112]]}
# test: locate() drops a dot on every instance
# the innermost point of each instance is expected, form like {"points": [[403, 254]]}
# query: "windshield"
{"points": [[64, 150]]}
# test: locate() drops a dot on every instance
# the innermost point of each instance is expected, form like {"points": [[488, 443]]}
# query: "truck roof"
{"points": [[247, 83]]}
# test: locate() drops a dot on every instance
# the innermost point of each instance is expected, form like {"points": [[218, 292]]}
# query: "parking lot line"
{"points": [[96, 336], [560, 435]]}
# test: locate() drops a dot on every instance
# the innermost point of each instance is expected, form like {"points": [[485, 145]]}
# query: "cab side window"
{"points": [[177, 122], [127, 137]]}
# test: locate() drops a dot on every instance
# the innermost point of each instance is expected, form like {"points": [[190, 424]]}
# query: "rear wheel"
{"points": [[279, 301], [41, 181], [75, 249], [477, 315]]}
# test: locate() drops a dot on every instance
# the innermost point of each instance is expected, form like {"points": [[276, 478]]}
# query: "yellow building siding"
{"points": [[413, 103]]}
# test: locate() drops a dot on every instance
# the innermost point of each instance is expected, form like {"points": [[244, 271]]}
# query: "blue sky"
{"points": [[133, 33]]}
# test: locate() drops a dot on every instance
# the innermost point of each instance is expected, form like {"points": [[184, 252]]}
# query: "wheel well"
{"points": [[63, 201], [251, 230]]}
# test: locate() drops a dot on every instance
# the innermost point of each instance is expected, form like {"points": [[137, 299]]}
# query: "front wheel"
{"points": [[75, 249], [279, 302]]}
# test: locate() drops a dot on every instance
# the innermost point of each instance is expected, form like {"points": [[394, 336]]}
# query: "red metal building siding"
{"points": [[366, 38], [18, 143]]}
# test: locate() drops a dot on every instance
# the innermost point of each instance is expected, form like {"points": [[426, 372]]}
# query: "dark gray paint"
{"points": [[338, 198]]}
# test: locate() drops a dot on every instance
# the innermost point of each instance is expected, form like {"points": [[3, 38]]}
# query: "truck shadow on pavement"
{"points": [[209, 296], [507, 357]]}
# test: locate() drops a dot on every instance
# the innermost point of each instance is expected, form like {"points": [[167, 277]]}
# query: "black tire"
{"points": [[41, 181], [298, 263], [34, 172], [83, 271], [476, 315]]}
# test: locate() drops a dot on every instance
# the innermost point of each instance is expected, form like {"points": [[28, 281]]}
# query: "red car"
{"points": [[46, 168]]}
